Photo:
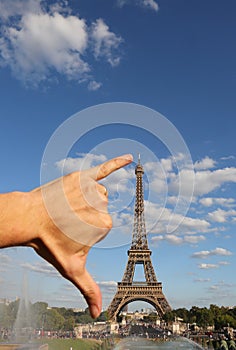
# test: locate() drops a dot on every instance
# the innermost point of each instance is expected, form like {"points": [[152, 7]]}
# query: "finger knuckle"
{"points": [[108, 222], [101, 188], [89, 293]]}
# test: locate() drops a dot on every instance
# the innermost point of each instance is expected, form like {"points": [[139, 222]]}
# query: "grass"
{"points": [[74, 344], [69, 344]]}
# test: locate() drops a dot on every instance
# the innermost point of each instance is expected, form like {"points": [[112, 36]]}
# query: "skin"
{"points": [[63, 233]]}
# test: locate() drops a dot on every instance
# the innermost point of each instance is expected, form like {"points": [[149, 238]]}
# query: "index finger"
{"points": [[106, 168]]}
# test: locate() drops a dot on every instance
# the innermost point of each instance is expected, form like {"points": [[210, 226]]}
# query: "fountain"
{"points": [[22, 330], [22, 327], [136, 343]]}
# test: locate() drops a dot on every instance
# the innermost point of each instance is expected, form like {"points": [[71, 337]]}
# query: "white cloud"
{"points": [[172, 200], [158, 218], [167, 164], [42, 268], [165, 170], [228, 157], [5, 260], [222, 291], [107, 286], [205, 163], [119, 182], [213, 288], [224, 263], [157, 175], [82, 162], [104, 42], [150, 4], [194, 224], [177, 240], [206, 253], [221, 215], [194, 239], [165, 177], [38, 42], [221, 251], [10, 8], [157, 238], [45, 42], [173, 239], [107, 283], [94, 85], [202, 280], [60, 6], [205, 181], [207, 266], [123, 220], [223, 285], [210, 201]]}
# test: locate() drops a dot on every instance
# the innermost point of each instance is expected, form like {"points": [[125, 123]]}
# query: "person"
{"points": [[231, 344], [223, 344], [26, 221]]}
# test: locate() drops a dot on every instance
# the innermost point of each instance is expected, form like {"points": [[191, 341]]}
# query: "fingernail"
{"points": [[127, 156], [94, 311]]}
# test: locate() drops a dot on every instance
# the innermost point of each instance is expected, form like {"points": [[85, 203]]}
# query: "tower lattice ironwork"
{"points": [[129, 290]]}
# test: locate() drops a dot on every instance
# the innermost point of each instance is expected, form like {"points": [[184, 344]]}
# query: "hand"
{"points": [[71, 213]]}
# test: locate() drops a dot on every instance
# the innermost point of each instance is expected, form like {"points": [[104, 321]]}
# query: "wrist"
{"points": [[17, 219]]}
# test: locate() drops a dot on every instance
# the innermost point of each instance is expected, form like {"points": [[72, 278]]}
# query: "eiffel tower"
{"points": [[129, 290]]}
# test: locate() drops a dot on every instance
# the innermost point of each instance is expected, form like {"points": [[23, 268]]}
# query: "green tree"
{"points": [[6, 320], [12, 310], [103, 317], [225, 321], [204, 318], [84, 318], [193, 312], [169, 316], [69, 324], [232, 312], [183, 313], [38, 312], [53, 320], [66, 313], [152, 317]]}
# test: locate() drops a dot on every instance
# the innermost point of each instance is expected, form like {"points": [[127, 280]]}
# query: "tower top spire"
{"points": [[139, 167]]}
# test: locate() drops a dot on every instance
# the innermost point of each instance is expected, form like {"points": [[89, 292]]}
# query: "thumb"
{"points": [[91, 293]]}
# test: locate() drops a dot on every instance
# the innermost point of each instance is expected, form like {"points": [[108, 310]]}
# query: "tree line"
{"points": [[216, 316], [40, 316]]}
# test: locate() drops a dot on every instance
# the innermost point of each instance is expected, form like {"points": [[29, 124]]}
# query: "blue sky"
{"points": [[177, 58]]}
